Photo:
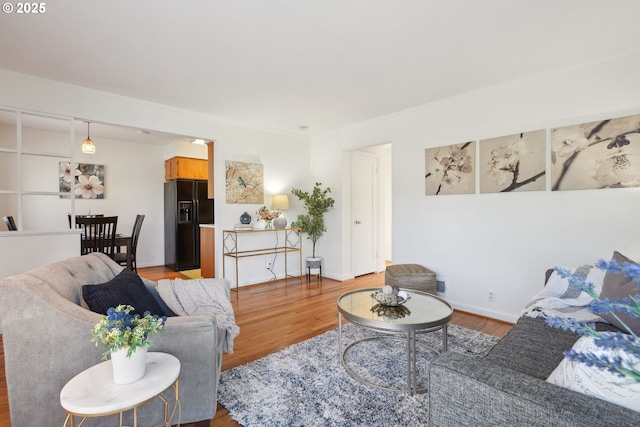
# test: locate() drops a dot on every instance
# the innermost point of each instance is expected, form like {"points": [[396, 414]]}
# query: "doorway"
{"points": [[371, 209]]}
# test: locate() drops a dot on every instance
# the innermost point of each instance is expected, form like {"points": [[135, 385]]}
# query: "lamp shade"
{"points": [[280, 202], [88, 147]]}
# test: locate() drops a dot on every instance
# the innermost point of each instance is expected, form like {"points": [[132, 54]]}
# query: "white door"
{"points": [[365, 212]]}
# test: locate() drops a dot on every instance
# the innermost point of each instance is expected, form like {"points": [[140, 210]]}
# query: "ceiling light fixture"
{"points": [[88, 147], [198, 141]]}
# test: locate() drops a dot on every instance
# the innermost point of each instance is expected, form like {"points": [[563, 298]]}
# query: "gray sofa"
{"points": [[508, 388], [46, 332]]}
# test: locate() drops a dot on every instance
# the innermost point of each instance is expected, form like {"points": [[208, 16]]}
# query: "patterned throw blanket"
{"points": [[560, 298], [202, 296]]}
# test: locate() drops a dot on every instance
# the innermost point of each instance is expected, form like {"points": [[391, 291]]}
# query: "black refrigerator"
{"points": [[186, 206]]}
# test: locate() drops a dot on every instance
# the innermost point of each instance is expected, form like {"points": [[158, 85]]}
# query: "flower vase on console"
{"points": [[268, 216]]}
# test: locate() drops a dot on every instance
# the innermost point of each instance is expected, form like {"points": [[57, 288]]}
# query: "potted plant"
{"points": [[316, 203], [126, 340]]}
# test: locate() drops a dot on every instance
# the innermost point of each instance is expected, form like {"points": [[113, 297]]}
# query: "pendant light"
{"points": [[88, 147]]}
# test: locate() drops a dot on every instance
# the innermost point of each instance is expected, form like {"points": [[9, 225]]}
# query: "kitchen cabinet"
{"points": [[185, 168], [207, 251]]}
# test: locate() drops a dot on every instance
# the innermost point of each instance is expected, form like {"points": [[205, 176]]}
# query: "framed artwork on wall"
{"points": [[450, 169], [244, 182], [513, 163], [601, 154], [84, 182]]}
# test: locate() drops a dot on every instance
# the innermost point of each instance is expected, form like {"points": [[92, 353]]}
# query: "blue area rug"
{"points": [[306, 384]]}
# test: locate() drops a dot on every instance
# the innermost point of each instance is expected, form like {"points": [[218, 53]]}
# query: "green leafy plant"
{"points": [[120, 329], [316, 203]]}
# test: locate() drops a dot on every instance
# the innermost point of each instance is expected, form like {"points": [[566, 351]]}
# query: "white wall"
{"points": [[135, 172], [499, 242], [286, 165]]}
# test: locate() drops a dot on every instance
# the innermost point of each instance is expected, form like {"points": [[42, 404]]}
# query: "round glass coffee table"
{"points": [[421, 313]]}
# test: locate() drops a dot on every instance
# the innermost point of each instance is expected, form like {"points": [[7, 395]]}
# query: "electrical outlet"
{"points": [[491, 295], [268, 262]]}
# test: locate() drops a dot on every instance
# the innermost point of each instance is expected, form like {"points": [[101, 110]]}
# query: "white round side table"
{"points": [[92, 393]]}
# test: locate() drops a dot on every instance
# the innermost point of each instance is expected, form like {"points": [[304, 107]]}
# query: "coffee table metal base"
{"points": [[411, 343]]}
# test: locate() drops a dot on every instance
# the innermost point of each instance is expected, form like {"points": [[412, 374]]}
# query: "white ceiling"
{"points": [[280, 64]]}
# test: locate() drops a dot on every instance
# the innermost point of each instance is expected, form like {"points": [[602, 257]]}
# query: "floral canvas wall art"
{"points": [[450, 169], [513, 163], [244, 182], [86, 181], [601, 154]]}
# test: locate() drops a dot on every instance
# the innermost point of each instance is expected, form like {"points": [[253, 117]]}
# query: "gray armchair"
{"points": [[46, 331]]}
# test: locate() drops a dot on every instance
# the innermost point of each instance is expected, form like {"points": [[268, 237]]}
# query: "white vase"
{"points": [[128, 369]]}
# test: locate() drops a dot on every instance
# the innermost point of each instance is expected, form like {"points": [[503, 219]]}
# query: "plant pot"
{"points": [[314, 265], [128, 369]]}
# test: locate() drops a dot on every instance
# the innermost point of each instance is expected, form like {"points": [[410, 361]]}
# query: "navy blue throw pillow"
{"points": [[125, 288]]}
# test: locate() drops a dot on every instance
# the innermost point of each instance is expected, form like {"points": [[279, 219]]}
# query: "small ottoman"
{"points": [[411, 276]]}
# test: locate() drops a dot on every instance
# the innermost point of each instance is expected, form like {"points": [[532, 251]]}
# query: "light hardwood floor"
{"points": [[275, 315]]}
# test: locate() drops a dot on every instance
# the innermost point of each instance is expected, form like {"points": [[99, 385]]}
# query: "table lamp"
{"points": [[280, 202]]}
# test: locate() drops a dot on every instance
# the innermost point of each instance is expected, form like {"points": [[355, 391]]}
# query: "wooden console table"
{"points": [[291, 243]]}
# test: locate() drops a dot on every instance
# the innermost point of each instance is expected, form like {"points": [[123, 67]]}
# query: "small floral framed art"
{"points": [[86, 181]]}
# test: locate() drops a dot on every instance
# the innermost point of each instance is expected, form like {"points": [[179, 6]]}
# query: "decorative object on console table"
{"points": [[268, 216], [280, 202], [245, 218], [316, 203]]}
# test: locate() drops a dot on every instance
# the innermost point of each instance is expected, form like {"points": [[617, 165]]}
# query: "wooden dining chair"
{"points": [[121, 258], [11, 224], [98, 234], [82, 216]]}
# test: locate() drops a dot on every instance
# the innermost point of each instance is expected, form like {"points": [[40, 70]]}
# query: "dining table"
{"points": [[121, 240]]}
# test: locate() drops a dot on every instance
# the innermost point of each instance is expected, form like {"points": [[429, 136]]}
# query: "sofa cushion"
{"points": [[618, 286], [596, 382], [125, 288], [521, 349]]}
